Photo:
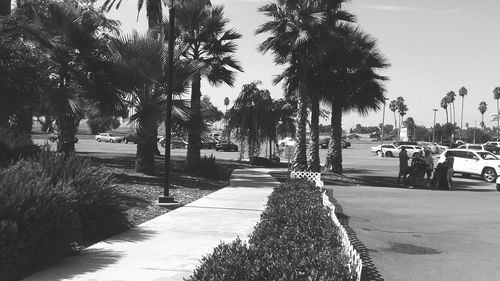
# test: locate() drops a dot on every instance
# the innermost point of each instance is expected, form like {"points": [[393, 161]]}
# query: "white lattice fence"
{"points": [[310, 176], [355, 262]]}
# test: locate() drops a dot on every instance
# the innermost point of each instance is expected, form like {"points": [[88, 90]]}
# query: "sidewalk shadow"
{"points": [[369, 271]]}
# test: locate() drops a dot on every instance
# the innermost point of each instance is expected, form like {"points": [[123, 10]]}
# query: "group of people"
{"points": [[422, 165]]}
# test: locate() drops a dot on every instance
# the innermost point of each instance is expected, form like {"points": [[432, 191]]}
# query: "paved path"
{"points": [[169, 247], [416, 234]]}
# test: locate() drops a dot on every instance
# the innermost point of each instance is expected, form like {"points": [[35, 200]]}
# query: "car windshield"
{"points": [[487, 156]]}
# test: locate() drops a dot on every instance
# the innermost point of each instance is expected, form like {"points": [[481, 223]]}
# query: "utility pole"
{"points": [[434, 125], [166, 198]]}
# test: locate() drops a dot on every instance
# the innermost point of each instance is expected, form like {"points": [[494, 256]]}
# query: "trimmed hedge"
{"points": [[294, 240], [51, 207]]}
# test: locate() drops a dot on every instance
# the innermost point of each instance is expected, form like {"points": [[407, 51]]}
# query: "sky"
{"points": [[434, 46]]}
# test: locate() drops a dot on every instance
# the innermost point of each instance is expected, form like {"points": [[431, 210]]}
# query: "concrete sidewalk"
{"points": [[170, 246]]}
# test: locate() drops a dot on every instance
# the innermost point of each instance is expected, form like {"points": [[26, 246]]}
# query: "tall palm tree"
{"points": [[482, 109], [400, 107], [137, 67], [462, 92], [351, 83], [444, 104], [496, 96], [296, 31], [203, 28], [393, 107], [154, 13], [451, 100]]}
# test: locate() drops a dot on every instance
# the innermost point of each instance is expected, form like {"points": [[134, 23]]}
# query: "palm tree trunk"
{"points": [[395, 120], [498, 119], [334, 156], [67, 125], [462, 117], [154, 14], [446, 115], [146, 146], [482, 121], [300, 159], [194, 141], [315, 164], [454, 116], [5, 7]]}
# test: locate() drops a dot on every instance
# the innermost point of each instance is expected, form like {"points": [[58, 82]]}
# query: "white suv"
{"points": [[495, 143], [474, 162]]}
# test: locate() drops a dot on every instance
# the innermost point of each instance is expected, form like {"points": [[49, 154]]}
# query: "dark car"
{"points": [[323, 143], [175, 142], [226, 146], [208, 142], [131, 138]]}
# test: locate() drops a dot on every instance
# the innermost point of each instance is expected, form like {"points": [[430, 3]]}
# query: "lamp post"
{"points": [[382, 129], [434, 125], [166, 198]]}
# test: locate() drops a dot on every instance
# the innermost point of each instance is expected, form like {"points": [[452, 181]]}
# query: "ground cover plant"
{"points": [[294, 240]]}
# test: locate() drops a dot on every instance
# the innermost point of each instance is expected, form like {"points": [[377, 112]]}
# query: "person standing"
{"points": [[403, 165], [429, 164], [449, 160]]}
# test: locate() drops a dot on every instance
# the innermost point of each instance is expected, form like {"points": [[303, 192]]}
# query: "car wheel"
{"points": [[415, 154], [98, 140], [388, 154], [465, 175], [111, 141], [125, 141], [489, 175]]}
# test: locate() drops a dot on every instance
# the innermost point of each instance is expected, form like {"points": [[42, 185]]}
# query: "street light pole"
{"points": [[382, 130], [166, 198], [434, 125]]}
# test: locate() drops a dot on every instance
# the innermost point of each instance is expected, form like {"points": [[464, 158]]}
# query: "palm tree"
{"points": [[297, 30], [5, 7], [400, 107], [451, 100], [393, 107], [154, 13], [444, 104], [482, 109], [203, 28], [496, 96], [137, 67], [462, 92], [74, 37], [350, 82]]}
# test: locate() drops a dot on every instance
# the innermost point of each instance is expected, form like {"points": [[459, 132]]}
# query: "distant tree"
{"points": [[462, 92], [410, 125], [496, 96], [482, 109], [451, 100], [444, 104], [422, 133], [209, 112], [98, 123], [393, 106]]}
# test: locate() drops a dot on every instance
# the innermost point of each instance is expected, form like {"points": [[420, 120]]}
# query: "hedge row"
{"points": [[51, 207], [294, 240]]}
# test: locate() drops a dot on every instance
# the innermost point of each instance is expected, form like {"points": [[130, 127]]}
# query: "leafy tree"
{"points": [[98, 123], [209, 112], [251, 113], [422, 133], [5, 7], [210, 43], [482, 109], [410, 125]]}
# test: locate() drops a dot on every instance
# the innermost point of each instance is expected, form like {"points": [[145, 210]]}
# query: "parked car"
{"points": [[378, 148], [175, 142], [226, 145], [474, 162], [324, 143], [107, 137], [287, 141], [495, 143], [208, 142], [131, 138], [55, 138], [491, 148], [411, 150], [398, 143]]}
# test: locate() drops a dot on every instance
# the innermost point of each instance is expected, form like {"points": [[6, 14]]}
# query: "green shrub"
{"points": [[15, 146], [209, 168], [97, 202], [294, 240], [38, 224]]}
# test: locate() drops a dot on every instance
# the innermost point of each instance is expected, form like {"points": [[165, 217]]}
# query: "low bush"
{"points": [[38, 223], [15, 146], [294, 240], [51, 207], [209, 168]]}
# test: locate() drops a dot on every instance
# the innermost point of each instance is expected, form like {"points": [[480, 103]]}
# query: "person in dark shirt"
{"points": [[449, 160], [403, 165]]}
